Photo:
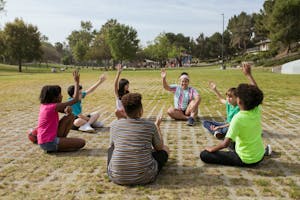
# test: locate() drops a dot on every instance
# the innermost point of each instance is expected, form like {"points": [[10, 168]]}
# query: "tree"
{"points": [[241, 29], [123, 42], [284, 22], [160, 49], [80, 41], [50, 54], [22, 41], [2, 4]]}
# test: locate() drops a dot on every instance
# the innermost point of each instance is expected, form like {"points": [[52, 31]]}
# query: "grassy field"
{"points": [[26, 172]]}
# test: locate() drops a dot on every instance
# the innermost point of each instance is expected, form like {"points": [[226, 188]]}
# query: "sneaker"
{"points": [[268, 150], [97, 124], [218, 135], [32, 135], [190, 121], [86, 128]]}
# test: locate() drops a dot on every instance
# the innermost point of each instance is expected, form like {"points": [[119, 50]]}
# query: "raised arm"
{"points": [[102, 78], [246, 67], [60, 107], [116, 85], [157, 124], [213, 87], [164, 79]]}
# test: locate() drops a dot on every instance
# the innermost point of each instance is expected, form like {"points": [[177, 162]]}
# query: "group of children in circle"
{"points": [[130, 134]]}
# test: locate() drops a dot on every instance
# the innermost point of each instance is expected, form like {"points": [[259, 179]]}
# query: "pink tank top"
{"points": [[48, 123]]}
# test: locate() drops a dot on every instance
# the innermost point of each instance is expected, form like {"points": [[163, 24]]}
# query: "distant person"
{"points": [[219, 129], [52, 132], [186, 99], [137, 152], [85, 123], [121, 88], [245, 130]]}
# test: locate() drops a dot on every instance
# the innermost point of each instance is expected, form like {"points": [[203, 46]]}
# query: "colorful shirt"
{"points": [[182, 98], [231, 111], [132, 161], [47, 123], [77, 108], [246, 129]]}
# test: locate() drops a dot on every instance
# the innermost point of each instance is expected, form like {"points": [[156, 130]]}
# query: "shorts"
{"points": [[161, 157], [77, 127], [50, 146]]}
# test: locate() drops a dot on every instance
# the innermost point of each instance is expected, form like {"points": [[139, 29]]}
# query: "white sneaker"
{"points": [[86, 128], [97, 124]]}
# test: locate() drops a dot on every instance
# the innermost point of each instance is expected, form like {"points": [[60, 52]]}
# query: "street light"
{"points": [[223, 66]]}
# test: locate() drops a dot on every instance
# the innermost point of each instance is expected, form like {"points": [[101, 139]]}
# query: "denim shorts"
{"points": [[50, 146]]}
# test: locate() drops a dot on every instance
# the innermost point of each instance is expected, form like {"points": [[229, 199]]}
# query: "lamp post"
{"points": [[223, 66]]}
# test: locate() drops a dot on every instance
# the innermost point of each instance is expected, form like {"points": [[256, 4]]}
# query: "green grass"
{"points": [[28, 173]]}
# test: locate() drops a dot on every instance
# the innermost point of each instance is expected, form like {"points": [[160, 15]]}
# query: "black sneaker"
{"points": [[268, 150], [218, 135], [190, 121]]}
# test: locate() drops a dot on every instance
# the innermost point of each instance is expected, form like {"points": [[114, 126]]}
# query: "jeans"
{"points": [[50, 146], [207, 125]]}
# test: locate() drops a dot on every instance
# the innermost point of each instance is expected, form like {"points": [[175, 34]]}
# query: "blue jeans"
{"points": [[207, 125], [50, 146]]}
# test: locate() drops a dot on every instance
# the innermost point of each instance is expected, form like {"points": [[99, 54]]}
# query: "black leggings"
{"points": [[230, 158]]}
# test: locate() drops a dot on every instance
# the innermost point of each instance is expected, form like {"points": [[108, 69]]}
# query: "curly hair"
{"points": [[250, 95], [132, 103], [50, 94]]}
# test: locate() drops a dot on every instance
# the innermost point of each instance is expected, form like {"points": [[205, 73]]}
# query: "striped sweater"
{"points": [[132, 162]]}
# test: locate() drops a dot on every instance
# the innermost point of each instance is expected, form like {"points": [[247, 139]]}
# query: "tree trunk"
{"points": [[20, 65]]}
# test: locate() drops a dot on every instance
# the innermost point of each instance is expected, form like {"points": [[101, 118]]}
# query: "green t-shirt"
{"points": [[231, 111], [245, 129]]}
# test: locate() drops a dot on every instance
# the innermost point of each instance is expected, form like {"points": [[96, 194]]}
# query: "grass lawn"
{"points": [[26, 172]]}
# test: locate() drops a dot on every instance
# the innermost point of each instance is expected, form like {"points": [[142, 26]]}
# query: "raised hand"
{"points": [[163, 73], [212, 85], [158, 120], [76, 76], [119, 68], [246, 67], [102, 78]]}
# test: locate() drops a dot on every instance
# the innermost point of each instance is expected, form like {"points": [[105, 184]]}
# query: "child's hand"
{"points": [[76, 76], [158, 120], [213, 127], [102, 78], [119, 68], [163, 73], [246, 67], [212, 85], [209, 149], [68, 110]]}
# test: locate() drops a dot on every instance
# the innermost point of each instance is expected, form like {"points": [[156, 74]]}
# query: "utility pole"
{"points": [[223, 66]]}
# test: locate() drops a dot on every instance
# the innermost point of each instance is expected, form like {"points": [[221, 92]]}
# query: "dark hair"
{"points": [[231, 91], [50, 94], [121, 90], [132, 103], [250, 95], [71, 90]]}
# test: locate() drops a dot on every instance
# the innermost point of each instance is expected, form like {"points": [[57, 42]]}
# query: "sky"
{"points": [[56, 19]]}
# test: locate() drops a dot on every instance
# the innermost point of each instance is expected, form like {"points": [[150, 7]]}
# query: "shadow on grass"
{"points": [[97, 152]]}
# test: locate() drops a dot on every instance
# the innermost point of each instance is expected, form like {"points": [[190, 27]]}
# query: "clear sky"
{"points": [[58, 18]]}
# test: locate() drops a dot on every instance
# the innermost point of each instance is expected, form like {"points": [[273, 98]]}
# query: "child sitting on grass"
{"points": [[52, 132], [245, 130], [121, 88], [85, 123], [219, 129]]}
